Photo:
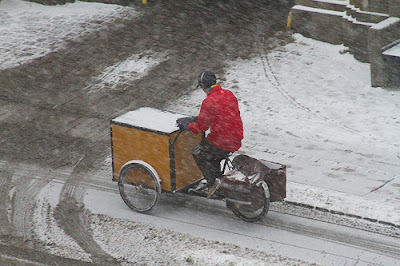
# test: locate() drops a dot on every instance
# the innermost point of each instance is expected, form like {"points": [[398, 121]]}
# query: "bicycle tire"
{"points": [[256, 215], [139, 186]]}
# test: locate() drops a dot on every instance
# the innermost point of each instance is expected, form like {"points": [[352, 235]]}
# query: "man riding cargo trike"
{"points": [[151, 155], [156, 151]]}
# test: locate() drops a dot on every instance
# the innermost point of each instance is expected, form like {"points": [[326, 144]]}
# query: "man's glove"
{"points": [[184, 122]]}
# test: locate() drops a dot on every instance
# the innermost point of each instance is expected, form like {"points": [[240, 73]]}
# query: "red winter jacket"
{"points": [[220, 113]]}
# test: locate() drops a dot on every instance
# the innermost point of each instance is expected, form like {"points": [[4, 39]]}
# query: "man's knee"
{"points": [[201, 150], [196, 153]]}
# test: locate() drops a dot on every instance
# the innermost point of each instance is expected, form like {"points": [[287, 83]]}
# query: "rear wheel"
{"points": [[249, 213], [139, 186]]}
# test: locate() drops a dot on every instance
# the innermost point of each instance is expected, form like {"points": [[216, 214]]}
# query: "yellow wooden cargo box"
{"points": [[149, 135]]}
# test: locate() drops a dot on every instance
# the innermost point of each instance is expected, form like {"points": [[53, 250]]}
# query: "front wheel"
{"points": [[139, 186], [256, 207]]}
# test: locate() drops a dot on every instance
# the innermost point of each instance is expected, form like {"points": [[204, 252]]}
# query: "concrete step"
{"points": [[355, 13], [334, 5], [365, 16]]}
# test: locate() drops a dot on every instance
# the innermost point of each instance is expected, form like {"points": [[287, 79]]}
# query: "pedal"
{"points": [[200, 186], [195, 192]]}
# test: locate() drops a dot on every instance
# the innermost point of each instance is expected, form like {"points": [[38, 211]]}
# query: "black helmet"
{"points": [[206, 79]]}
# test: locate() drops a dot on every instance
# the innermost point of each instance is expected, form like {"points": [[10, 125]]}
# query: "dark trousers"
{"points": [[208, 158]]}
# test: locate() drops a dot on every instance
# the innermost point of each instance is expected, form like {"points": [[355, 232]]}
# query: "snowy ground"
{"points": [[306, 105], [311, 107], [30, 30]]}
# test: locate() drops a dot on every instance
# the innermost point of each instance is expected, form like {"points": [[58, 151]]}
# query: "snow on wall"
{"points": [[394, 51], [318, 10], [386, 23]]}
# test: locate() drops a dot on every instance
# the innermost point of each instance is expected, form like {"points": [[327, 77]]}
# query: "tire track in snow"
{"points": [[71, 214], [27, 183], [6, 171], [273, 79], [25, 189], [271, 76]]}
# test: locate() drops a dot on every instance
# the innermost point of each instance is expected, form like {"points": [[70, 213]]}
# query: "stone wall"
{"points": [[392, 72], [62, 2], [364, 26], [315, 24], [333, 26], [394, 10], [383, 36], [52, 2], [381, 6], [355, 37]]}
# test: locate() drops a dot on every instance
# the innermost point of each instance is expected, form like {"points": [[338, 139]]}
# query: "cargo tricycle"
{"points": [[150, 156]]}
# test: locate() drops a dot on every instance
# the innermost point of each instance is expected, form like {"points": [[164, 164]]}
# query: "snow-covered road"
{"points": [[185, 229]]}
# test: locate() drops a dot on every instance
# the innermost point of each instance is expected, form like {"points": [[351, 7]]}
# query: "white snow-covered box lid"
{"points": [[150, 119]]}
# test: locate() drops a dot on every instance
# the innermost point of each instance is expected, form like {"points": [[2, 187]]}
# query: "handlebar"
{"points": [[177, 136]]}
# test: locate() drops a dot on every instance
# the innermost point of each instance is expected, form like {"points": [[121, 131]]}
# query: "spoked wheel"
{"points": [[259, 207], [139, 185]]}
